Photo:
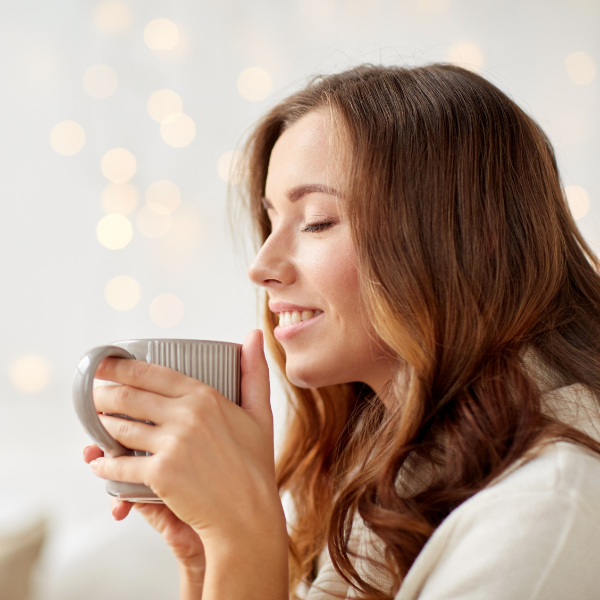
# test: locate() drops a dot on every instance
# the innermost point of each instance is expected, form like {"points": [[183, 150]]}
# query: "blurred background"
{"points": [[120, 123]]}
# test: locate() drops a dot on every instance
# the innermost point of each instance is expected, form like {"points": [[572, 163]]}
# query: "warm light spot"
{"points": [[433, 6], [119, 165], [119, 198], [161, 34], [231, 167], [166, 310], [317, 8], [67, 138], [30, 373], [466, 55], [254, 83], [163, 103], [362, 8], [114, 231], [579, 201], [100, 81], [581, 67], [165, 193], [178, 130], [154, 220], [112, 17], [122, 293]]}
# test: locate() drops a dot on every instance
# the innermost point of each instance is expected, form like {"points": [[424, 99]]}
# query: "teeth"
{"points": [[292, 317]]}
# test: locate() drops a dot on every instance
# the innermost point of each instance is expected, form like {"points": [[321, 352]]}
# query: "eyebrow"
{"points": [[294, 194]]}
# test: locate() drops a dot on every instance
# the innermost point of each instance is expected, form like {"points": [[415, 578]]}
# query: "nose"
{"points": [[273, 266]]}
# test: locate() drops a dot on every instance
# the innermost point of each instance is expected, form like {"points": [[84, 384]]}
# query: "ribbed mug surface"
{"points": [[218, 364]]}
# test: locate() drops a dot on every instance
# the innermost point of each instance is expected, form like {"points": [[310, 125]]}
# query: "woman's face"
{"points": [[308, 265]]}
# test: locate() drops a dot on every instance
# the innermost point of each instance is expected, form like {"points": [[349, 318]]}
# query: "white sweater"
{"points": [[534, 534]]}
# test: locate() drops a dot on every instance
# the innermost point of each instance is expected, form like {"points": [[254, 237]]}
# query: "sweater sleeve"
{"points": [[533, 537]]}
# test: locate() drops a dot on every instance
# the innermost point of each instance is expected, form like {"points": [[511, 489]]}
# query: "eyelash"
{"points": [[315, 227]]}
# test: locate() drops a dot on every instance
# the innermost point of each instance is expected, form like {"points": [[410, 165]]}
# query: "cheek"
{"points": [[334, 274]]}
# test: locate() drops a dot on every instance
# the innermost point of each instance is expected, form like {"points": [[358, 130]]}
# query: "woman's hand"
{"points": [[179, 536], [212, 463]]}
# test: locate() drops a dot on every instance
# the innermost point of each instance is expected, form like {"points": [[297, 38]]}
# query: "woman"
{"points": [[437, 316]]}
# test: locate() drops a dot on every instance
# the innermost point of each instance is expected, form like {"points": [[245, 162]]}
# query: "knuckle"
{"points": [[160, 473], [121, 395], [123, 428], [140, 368], [117, 469]]}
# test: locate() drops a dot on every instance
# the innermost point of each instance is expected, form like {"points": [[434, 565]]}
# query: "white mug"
{"points": [[217, 364]]}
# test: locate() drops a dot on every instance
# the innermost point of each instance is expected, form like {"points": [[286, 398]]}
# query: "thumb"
{"points": [[256, 390]]}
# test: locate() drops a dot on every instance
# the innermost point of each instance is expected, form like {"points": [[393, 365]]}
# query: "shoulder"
{"points": [[534, 534]]}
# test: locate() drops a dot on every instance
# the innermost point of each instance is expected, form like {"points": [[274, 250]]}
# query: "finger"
{"points": [[130, 401], [91, 453], [120, 509], [130, 469], [255, 379], [131, 434], [147, 376]]}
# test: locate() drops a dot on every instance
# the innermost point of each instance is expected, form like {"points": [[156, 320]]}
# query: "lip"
{"points": [[279, 307], [285, 333]]}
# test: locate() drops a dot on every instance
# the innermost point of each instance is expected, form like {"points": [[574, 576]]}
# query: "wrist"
{"points": [[256, 571], [191, 580], [261, 523], [250, 565]]}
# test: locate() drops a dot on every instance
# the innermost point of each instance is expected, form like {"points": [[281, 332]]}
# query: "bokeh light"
{"points": [[466, 55], [154, 220], [231, 167], [30, 373], [163, 103], [166, 310], [254, 84], [122, 293], [362, 8], [317, 8], [178, 130], [119, 165], [161, 34], [119, 198], [581, 68], [112, 17], [114, 231], [100, 81], [165, 193], [67, 137], [579, 201]]}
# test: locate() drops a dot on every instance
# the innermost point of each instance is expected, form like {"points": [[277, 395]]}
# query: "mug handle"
{"points": [[84, 401]]}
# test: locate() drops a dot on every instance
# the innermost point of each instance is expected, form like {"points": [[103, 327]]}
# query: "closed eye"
{"points": [[321, 226]]}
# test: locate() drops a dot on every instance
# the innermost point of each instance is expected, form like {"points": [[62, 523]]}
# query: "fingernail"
{"points": [[95, 462]]}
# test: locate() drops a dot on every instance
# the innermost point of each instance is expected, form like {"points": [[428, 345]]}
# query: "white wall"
{"points": [[54, 270]]}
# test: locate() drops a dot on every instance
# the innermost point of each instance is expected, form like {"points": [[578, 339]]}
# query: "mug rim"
{"points": [[175, 340]]}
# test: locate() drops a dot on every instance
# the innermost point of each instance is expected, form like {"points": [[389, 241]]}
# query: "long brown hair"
{"points": [[468, 256]]}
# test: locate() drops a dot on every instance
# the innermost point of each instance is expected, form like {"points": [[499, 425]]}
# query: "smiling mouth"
{"points": [[288, 318]]}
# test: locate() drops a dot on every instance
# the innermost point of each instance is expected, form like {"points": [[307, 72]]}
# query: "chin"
{"points": [[306, 376]]}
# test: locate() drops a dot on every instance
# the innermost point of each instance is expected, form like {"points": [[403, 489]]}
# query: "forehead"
{"points": [[302, 152]]}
